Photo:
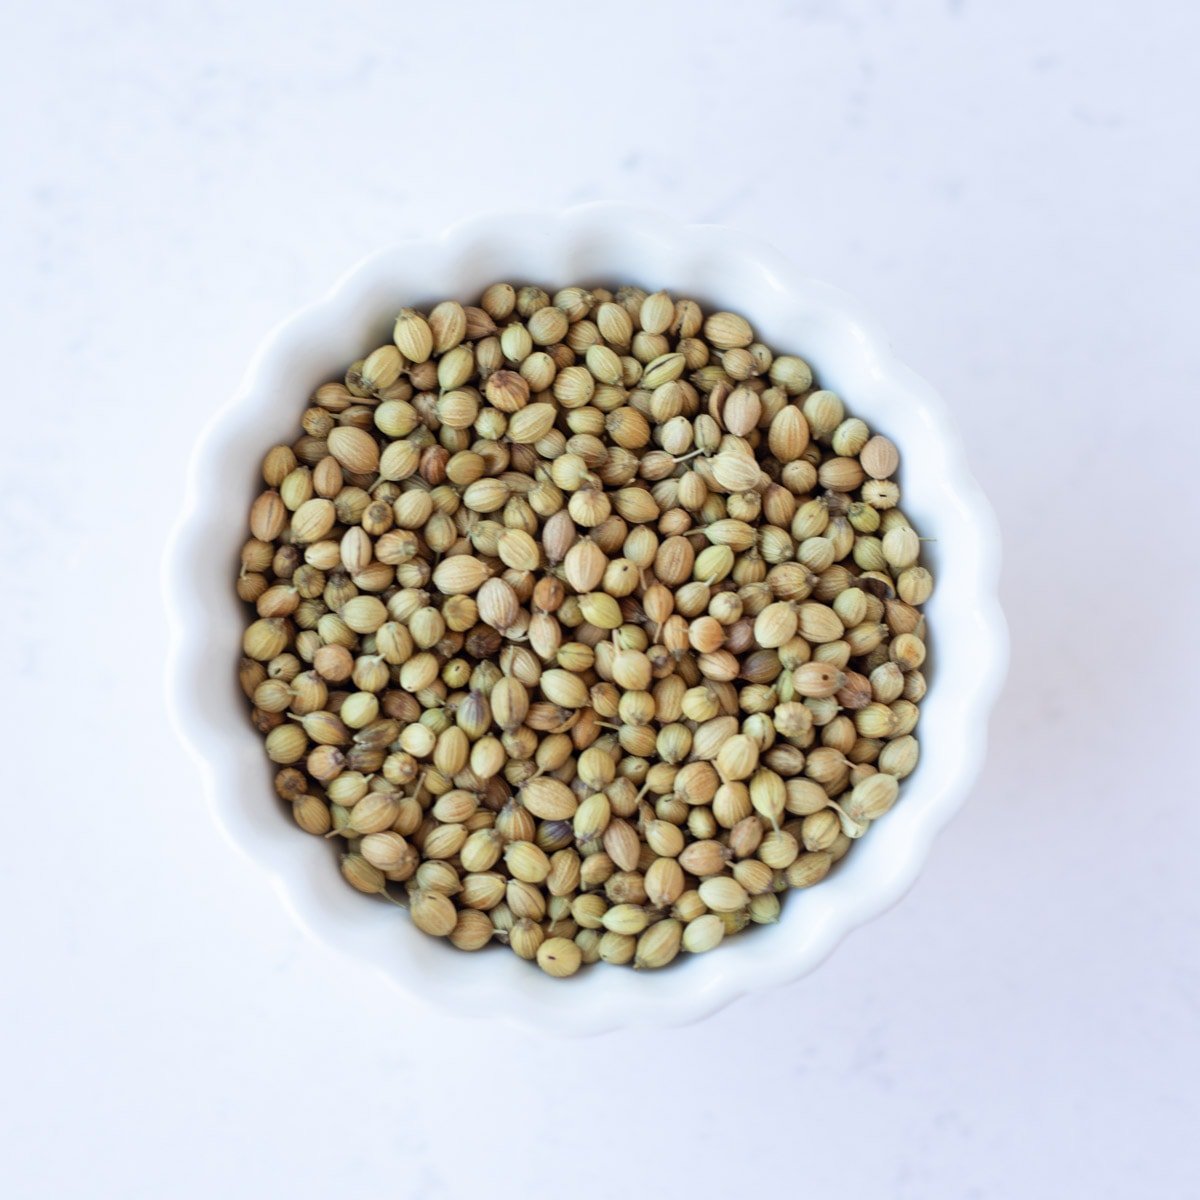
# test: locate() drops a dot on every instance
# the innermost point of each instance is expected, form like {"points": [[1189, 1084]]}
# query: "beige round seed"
{"points": [[481, 850], [460, 575], [601, 609], [703, 858], [445, 841], [482, 890], [704, 933], [265, 639], [549, 799], [527, 862], [364, 614], [313, 520], [564, 688], [737, 472], [354, 449], [727, 330], [625, 918], [592, 817], [413, 336], [659, 945], [664, 882], [791, 373], [723, 894], [518, 550], [559, 956], [548, 326], [433, 913], [525, 937], [872, 797], [286, 744], [472, 931], [531, 423], [879, 457], [622, 844], [809, 869], [737, 758], [776, 625]]}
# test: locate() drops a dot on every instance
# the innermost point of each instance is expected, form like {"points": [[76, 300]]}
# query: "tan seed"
{"points": [[723, 894], [549, 799], [559, 956], [659, 945], [433, 913], [355, 449], [622, 844]]}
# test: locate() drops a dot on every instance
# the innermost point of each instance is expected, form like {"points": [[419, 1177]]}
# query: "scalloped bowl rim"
{"points": [[793, 313]]}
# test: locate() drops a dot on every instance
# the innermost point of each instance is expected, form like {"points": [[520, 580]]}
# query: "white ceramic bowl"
{"points": [[794, 314]]}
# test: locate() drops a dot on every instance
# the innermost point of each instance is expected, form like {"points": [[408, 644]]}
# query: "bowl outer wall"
{"points": [[593, 244]]}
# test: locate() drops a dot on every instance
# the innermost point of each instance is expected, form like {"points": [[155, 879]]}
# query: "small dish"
{"points": [[595, 244]]}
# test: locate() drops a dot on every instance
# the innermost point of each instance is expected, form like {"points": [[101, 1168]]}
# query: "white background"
{"points": [[1011, 187]]}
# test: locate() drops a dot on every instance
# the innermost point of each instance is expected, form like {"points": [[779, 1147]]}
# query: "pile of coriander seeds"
{"points": [[587, 622]]}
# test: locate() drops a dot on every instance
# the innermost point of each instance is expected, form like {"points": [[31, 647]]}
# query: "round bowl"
{"points": [[594, 244]]}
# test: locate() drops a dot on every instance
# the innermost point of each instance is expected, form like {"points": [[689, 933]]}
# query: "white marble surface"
{"points": [[1013, 189]]}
